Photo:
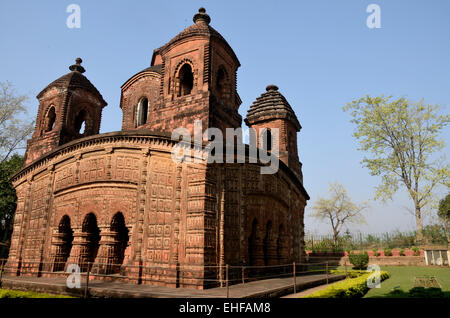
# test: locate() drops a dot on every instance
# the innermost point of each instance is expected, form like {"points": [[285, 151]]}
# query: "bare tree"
{"points": [[338, 209], [15, 127]]}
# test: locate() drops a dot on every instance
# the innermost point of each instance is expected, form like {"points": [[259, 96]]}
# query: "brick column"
{"points": [[272, 258], [80, 250], [259, 250], [107, 256], [58, 252]]}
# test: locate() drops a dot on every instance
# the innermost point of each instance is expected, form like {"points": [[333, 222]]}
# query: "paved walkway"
{"points": [[274, 287]]}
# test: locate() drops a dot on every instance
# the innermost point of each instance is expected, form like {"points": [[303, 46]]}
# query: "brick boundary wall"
{"points": [[379, 260]]}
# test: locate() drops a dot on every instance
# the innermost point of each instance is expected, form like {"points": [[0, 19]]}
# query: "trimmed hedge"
{"points": [[352, 273], [7, 293], [349, 288], [359, 261]]}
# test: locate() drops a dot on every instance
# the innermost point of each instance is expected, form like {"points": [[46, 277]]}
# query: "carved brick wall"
{"points": [[181, 218]]}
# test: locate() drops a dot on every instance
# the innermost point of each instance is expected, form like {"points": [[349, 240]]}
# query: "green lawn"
{"points": [[402, 279], [7, 293]]}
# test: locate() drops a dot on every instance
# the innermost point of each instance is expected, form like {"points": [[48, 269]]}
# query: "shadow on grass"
{"points": [[416, 292]]}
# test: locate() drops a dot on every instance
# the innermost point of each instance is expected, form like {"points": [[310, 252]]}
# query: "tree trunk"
{"points": [[335, 239], [419, 224]]}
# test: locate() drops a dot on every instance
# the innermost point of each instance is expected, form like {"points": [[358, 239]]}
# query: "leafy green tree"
{"points": [[402, 138], [8, 198], [444, 214], [338, 209]]}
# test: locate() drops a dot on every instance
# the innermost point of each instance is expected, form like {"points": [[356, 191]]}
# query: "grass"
{"points": [[402, 280], [8, 293]]}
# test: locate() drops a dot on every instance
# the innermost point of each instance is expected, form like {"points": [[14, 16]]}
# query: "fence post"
{"points": [[243, 274], [327, 271], [1, 272], [226, 278], [295, 278], [87, 282]]}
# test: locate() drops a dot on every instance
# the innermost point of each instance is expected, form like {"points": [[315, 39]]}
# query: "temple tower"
{"points": [[69, 108], [272, 110], [191, 77]]}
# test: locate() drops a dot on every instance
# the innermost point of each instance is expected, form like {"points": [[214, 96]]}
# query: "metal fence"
{"points": [[355, 241], [138, 274]]}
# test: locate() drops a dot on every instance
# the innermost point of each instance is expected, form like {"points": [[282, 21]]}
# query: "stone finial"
{"points": [[201, 16], [77, 66], [271, 87]]}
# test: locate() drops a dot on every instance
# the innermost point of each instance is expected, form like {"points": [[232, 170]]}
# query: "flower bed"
{"points": [[7, 293], [349, 288]]}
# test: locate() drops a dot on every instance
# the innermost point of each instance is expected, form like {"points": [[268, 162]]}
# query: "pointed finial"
{"points": [[77, 66], [201, 16], [272, 87]]}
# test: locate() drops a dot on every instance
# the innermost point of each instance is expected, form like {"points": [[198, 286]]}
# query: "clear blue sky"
{"points": [[320, 53]]}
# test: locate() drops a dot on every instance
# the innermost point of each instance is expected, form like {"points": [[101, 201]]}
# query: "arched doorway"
{"points": [[120, 232], [267, 140], [50, 119], [142, 112], [81, 122], [186, 80], [63, 242], [92, 238]]}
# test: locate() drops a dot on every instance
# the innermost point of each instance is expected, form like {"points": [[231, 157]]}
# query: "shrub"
{"points": [[7, 293], [416, 251], [324, 246], [402, 252], [349, 288], [350, 273], [387, 252], [375, 252], [359, 261]]}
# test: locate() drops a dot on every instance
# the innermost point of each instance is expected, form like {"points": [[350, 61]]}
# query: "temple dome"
{"points": [[74, 79], [200, 28], [271, 105]]}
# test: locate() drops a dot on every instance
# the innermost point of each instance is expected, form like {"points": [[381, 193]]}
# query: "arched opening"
{"points": [[63, 243], [267, 242], [142, 112], [50, 119], [221, 84], [80, 122], [121, 238], [186, 77], [90, 228], [267, 140], [252, 242]]}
